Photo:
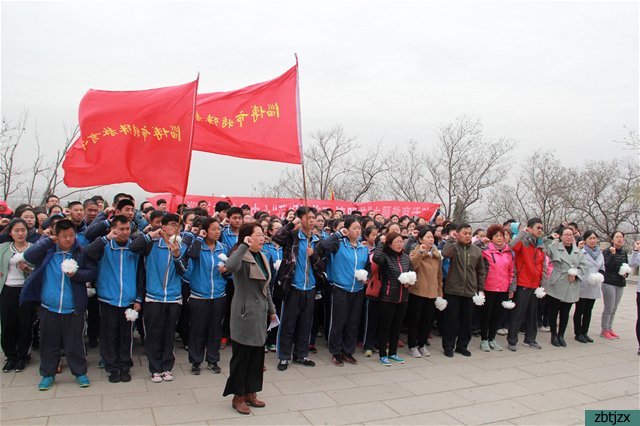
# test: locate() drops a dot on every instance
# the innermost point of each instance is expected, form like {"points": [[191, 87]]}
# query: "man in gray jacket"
{"points": [[464, 280]]}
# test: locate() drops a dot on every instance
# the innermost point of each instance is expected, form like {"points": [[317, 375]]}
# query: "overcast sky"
{"points": [[558, 75]]}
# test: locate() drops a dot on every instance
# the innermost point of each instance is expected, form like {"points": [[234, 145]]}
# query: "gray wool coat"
{"points": [[252, 303], [558, 284], [591, 291]]}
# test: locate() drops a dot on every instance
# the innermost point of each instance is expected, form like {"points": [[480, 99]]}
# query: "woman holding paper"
{"points": [[250, 308]]}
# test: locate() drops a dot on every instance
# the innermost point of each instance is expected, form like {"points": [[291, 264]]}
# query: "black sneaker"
{"points": [[213, 366], [283, 365], [114, 376], [21, 364], [448, 353], [463, 351], [349, 358], [9, 366], [304, 361], [125, 376], [195, 369], [337, 360]]}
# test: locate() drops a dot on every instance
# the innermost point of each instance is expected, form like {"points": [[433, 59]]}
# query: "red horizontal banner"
{"points": [[279, 206]]}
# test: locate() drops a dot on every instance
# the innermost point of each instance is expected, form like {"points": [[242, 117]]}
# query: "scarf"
{"points": [[594, 253]]}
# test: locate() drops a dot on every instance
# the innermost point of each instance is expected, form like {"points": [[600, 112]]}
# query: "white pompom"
{"points": [[573, 271], [595, 279], [17, 258], [624, 269], [223, 257], [131, 314], [221, 264], [362, 275], [91, 291], [276, 265], [479, 299], [175, 239], [508, 304], [441, 303], [69, 266], [408, 278], [540, 292]]}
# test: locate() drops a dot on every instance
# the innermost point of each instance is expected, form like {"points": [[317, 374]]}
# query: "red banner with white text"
{"points": [[279, 206]]}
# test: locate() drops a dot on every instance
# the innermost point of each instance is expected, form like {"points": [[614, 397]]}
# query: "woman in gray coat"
{"points": [[250, 308], [589, 286], [563, 286]]}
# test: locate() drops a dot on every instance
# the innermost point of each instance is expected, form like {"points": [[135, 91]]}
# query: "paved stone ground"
{"points": [[552, 386]]}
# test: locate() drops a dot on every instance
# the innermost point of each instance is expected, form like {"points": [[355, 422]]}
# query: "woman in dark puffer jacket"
{"points": [[394, 295]]}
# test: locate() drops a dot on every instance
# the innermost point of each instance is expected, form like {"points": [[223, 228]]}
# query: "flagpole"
{"points": [[193, 124]]}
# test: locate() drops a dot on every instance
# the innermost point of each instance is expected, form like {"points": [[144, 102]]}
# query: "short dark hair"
{"points": [[119, 196], [170, 217], [119, 219], [12, 224], [245, 206], [589, 233], [356, 212], [73, 203], [155, 214], [462, 226], [234, 210], [303, 210], [534, 221], [222, 206], [451, 226], [50, 196], [97, 198], [203, 201], [388, 240], [161, 201], [207, 223], [89, 202], [350, 220], [124, 203], [63, 225], [423, 231]]}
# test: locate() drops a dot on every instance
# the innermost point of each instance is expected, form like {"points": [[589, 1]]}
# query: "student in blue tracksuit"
{"points": [[273, 251], [116, 289], [346, 255], [162, 294], [229, 237], [102, 223], [297, 281], [208, 302], [63, 297]]}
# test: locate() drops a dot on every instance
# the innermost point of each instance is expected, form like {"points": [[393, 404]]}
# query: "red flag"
{"points": [[259, 122], [136, 136]]}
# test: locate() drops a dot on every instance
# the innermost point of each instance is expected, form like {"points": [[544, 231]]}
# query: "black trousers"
{"points": [[372, 315], [205, 318], [183, 321], [15, 323], [226, 331], [321, 315], [543, 313], [582, 316], [638, 318], [116, 339], [557, 308], [491, 312], [93, 318], [391, 317], [62, 331], [245, 370], [295, 324], [525, 312], [457, 322], [160, 321], [345, 320], [272, 335], [420, 315]]}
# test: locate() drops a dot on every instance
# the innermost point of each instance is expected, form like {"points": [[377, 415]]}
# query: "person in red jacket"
{"points": [[530, 268]]}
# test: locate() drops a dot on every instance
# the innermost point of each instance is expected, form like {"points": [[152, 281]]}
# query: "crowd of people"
{"points": [[211, 276]]}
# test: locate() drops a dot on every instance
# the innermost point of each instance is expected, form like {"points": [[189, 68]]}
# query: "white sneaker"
{"points": [[424, 351], [167, 376], [502, 332], [156, 378], [415, 353]]}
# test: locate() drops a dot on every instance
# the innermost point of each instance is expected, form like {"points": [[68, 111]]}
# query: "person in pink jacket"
{"points": [[499, 263]]}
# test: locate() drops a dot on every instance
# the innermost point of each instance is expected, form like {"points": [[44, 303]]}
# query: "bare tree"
{"points": [[605, 196], [540, 190], [10, 137], [53, 175], [464, 165], [407, 175], [38, 167], [332, 163]]}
